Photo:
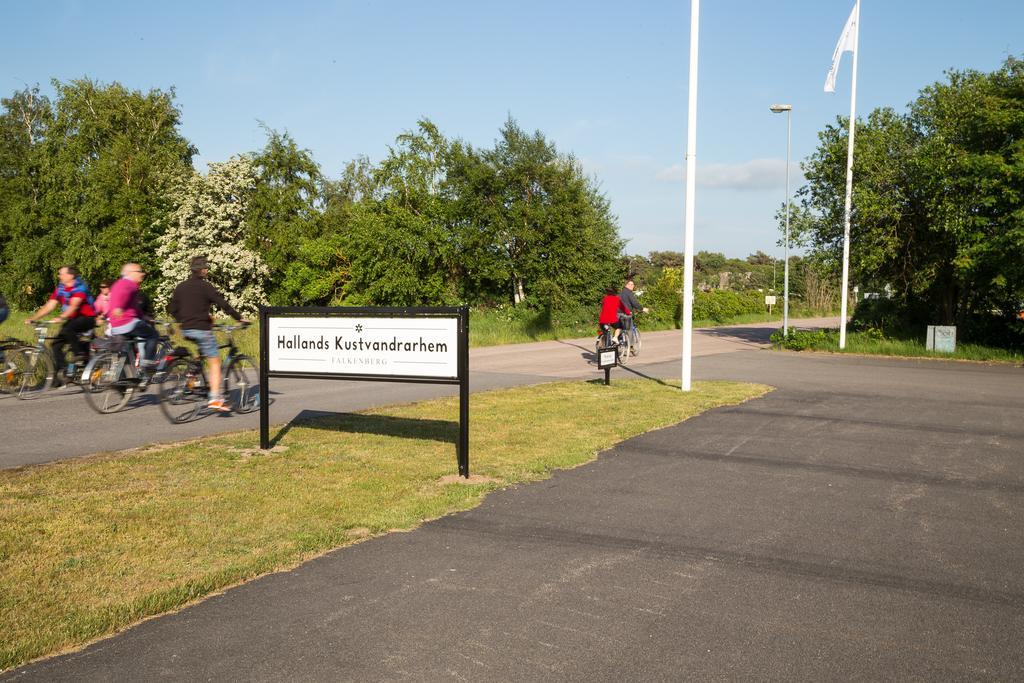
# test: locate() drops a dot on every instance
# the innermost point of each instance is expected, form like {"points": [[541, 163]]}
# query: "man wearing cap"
{"points": [[190, 305]]}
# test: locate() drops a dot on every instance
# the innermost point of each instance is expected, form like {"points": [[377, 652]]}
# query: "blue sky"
{"points": [[605, 81]]}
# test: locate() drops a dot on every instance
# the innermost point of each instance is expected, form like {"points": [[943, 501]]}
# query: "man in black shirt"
{"points": [[629, 299], [190, 306]]}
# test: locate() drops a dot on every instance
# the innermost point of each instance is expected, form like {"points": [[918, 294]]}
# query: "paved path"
{"points": [[61, 425], [863, 521]]}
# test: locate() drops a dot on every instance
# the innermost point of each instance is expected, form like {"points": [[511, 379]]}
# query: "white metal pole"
{"points": [[785, 277], [849, 186], [691, 179]]}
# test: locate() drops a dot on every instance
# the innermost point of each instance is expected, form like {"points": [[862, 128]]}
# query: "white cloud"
{"points": [[591, 166], [676, 173], [756, 174]]}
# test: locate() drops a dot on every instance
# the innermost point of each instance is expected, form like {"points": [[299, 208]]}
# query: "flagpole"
{"points": [[691, 179], [849, 185]]}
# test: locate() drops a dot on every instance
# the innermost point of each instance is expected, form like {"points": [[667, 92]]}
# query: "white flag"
{"points": [[846, 43]]}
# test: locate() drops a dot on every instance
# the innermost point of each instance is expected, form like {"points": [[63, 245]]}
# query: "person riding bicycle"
{"points": [[76, 314], [611, 308], [126, 315], [190, 307], [630, 301], [102, 303]]}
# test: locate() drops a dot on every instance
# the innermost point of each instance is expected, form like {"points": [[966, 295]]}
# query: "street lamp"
{"points": [[778, 109]]}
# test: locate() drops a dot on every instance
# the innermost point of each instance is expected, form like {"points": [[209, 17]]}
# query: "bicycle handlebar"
{"points": [[220, 327]]}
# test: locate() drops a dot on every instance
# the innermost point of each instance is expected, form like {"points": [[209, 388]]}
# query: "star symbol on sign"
{"points": [[359, 327]]}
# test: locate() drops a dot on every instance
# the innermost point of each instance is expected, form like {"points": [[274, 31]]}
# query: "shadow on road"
{"points": [[382, 425], [753, 335], [589, 355]]}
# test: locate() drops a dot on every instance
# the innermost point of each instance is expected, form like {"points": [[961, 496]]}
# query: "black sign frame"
{"points": [[462, 360], [607, 368]]}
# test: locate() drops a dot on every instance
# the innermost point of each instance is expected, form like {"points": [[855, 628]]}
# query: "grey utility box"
{"points": [[941, 338]]}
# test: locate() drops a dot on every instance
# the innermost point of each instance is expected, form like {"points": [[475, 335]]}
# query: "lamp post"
{"points": [[778, 109]]}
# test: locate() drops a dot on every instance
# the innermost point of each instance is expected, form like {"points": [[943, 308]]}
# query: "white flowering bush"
{"points": [[209, 220]]}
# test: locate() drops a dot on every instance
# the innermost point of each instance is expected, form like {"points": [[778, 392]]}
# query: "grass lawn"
{"points": [[872, 344], [14, 327], [92, 545]]}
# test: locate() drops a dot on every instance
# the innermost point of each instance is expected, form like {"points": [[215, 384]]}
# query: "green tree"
{"points": [[667, 259], [938, 207], [398, 243], [26, 248], [111, 157], [320, 269], [549, 229], [284, 209], [209, 219]]}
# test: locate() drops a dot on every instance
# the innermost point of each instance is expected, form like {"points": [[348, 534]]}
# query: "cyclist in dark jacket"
{"points": [[629, 299], [190, 306]]}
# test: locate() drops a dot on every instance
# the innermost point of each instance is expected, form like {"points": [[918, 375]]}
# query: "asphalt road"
{"points": [[863, 521], [60, 424]]}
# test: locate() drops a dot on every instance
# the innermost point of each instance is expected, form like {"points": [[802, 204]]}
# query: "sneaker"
{"points": [[218, 405]]}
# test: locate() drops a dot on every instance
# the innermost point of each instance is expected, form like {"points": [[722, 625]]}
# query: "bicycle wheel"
{"points": [[623, 352], [8, 371], [634, 342], [34, 371], [242, 384], [183, 391], [104, 384]]}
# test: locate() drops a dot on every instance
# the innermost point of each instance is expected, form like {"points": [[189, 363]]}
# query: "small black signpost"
{"points": [[607, 358], [417, 345]]}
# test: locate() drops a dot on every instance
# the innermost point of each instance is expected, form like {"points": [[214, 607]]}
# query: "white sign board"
{"points": [[941, 338], [769, 301], [607, 358], [399, 347]]}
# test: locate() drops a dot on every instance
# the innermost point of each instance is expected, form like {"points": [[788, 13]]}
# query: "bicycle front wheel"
{"points": [[242, 384], [8, 371], [183, 391], [104, 385], [33, 371], [634, 342]]}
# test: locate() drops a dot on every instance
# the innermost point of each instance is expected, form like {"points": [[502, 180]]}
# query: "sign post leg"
{"points": [[264, 389], [463, 448], [607, 376]]}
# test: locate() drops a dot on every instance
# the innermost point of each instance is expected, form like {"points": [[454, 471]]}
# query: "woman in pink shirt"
{"points": [[125, 312], [102, 304]]}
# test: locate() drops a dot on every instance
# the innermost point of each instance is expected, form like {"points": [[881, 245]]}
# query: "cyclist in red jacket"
{"points": [[611, 306]]}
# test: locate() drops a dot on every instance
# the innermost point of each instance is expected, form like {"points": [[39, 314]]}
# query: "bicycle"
{"points": [[607, 340], [114, 374], [185, 391], [34, 366], [10, 375], [631, 334]]}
